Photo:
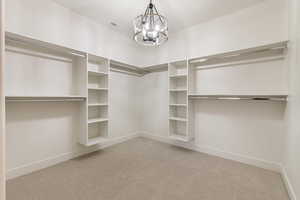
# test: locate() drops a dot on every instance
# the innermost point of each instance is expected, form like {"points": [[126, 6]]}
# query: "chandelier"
{"points": [[151, 28]]}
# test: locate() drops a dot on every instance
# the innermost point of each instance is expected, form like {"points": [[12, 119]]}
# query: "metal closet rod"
{"points": [[242, 98], [43, 100]]}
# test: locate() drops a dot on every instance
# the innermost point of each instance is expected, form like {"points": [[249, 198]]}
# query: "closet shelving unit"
{"points": [[257, 55], [178, 101], [31, 84], [183, 90], [97, 117]]}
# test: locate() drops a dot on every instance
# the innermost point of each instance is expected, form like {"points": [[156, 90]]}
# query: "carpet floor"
{"points": [[142, 169]]}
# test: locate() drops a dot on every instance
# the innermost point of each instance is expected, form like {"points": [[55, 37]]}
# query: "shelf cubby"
{"points": [[98, 96], [97, 133], [178, 112]]}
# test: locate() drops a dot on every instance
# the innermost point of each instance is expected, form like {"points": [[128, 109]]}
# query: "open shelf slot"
{"points": [[178, 84], [97, 97], [178, 112], [97, 133], [178, 98], [100, 82], [178, 69], [178, 128], [97, 65], [99, 112]]}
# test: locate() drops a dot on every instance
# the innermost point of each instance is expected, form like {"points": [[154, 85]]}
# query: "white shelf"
{"points": [[45, 98], [96, 73], [96, 140], [178, 119], [97, 104], [181, 138], [178, 105], [94, 88], [178, 90], [178, 76], [91, 121]]}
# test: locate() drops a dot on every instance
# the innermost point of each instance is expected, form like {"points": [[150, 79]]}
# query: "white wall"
{"points": [[48, 21], [39, 134], [42, 132], [2, 105], [249, 131], [292, 147], [252, 131], [261, 24]]}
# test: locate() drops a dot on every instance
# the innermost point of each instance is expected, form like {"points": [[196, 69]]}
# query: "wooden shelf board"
{"points": [[182, 138], [97, 120], [94, 88], [97, 104], [178, 90], [178, 119], [96, 140], [178, 105], [96, 73]]}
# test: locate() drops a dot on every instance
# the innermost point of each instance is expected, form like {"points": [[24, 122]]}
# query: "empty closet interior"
{"points": [[227, 87]]}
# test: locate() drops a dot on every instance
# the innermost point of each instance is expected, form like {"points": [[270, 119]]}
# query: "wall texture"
{"points": [[263, 23], [51, 22], [2, 105], [292, 146]]}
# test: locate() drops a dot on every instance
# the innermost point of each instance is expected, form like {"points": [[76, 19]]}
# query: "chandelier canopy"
{"points": [[151, 28]]}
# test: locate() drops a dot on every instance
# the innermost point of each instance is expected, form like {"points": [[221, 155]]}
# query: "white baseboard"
{"points": [[227, 155], [38, 165], [288, 184]]}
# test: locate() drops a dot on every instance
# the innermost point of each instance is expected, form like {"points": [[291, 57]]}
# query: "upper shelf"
{"points": [[43, 98], [241, 97], [271, 51]]}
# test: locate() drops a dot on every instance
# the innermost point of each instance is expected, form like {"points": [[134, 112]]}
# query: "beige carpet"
{"points": [[142, 169]]}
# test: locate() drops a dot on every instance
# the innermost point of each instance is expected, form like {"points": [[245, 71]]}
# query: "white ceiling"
{"points": [[180, 13]]}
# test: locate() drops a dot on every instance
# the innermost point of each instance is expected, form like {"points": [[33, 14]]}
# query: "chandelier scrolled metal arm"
{"points": [[150, 29]]}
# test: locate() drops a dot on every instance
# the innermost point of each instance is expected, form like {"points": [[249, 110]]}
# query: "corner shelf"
{"points": [[91, 121]]}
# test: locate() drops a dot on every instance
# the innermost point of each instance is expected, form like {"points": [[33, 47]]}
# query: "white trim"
{"points": [[288, 184], [227, 155], [38, 165]]}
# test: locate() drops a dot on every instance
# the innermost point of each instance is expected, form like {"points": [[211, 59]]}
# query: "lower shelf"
{"points": [[181, 138], [91, 121], [96, 140]]}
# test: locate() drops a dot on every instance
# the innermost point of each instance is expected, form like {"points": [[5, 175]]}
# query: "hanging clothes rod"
{"points": [[238, 63], [242, 97], [42, 99]]}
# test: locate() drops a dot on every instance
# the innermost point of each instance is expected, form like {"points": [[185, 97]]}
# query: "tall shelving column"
{"points": [[96, 115], [178, 101]]}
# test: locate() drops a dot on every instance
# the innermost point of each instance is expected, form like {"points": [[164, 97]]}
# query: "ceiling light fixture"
{"points": [[151, 28]]}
